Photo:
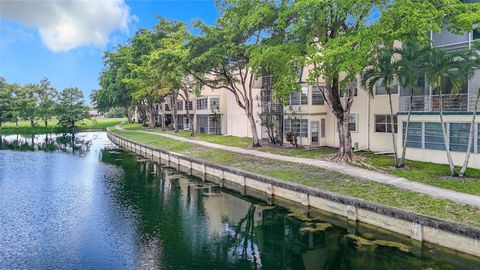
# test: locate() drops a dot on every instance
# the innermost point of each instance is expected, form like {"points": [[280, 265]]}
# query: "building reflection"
{"points": [[190, 223]]}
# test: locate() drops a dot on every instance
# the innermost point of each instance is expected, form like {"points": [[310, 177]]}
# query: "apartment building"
{"points": [[425, 139], [306, 114], [215, 110]]}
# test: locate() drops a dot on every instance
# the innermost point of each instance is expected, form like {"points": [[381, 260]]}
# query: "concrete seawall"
{"points": [[444, 233]]}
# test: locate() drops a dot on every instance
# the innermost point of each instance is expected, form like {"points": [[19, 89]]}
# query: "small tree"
{"points": [[384, 71], [46, 101], [28, 103], [71, 108], [6, 97]]}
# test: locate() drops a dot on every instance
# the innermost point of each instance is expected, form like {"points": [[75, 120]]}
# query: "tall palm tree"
{"points": [[442, 66], [472, 58], [410, 70], [384, 71]]}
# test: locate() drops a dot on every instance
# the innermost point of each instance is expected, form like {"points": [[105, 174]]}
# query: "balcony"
{"points": [[431, 103]]}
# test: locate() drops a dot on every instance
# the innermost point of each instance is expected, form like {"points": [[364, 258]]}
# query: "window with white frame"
{"points": [[353, 122], [214, 104], [429, 135], [299, 98], [180, 105], [297, 126], [202, 103], [167, 107], [433, 138], [459, 134], [190, 105], [415, 134], [383, 123], [317, 97]]}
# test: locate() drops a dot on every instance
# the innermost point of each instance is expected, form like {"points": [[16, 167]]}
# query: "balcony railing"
{"points": [[427, 103]]}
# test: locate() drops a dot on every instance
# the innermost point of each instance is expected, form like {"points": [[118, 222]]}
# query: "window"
{"points": [[351, 85], [415, 134], [297, 126], [314, 127], [476, 34], [214, 124], [459, 136], [180, 105], [317, 97], [299, 98], [167, 107], [352, 122], [380, 89], [266, 95], [322, 127], [214, 104], [295, 98], [304, 97], [190, 105], [383, 123], [202, 123], [434, 136], [202, 103]]}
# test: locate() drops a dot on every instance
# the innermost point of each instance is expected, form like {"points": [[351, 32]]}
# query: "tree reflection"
{"points": [[72, 143], [186, 223]]}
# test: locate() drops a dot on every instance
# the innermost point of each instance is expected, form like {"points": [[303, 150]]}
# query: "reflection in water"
{"points": [[67, 142], [109, 209]]}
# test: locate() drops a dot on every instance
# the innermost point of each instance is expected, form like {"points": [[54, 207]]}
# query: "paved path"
{"points": [[379, 177]]}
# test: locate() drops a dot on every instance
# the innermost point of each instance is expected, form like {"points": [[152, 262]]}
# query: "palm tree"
{"points": [[440, 67], [472, 58], [410, 70], [384, 71]]}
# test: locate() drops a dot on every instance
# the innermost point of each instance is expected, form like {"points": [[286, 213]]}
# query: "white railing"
{"points": [[427, 103]]}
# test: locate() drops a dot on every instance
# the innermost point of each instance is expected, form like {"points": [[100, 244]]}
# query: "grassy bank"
{"points": [[424, 172], [318, 178], [25, 128]]}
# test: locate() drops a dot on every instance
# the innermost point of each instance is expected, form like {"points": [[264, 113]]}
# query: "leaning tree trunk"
{"points": [[46, 122], [404, 145], [470, 137], [151, 117], [128, 110], [453, 171], [253, 127], [345, 150], [392, 126], [32, 124]]}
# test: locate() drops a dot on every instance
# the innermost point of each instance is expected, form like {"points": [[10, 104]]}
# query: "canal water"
{"points": [[78, 202]]}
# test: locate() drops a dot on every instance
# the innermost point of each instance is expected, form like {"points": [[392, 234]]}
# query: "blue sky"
{"points": [[34, 45]]}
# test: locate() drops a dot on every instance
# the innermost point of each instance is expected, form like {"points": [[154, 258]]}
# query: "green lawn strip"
{"points": [[25, 128], [319, 178], [428, 173], [424, 172]]}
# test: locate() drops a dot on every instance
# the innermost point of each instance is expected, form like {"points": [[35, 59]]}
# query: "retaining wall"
{"points": [[444, 233]]}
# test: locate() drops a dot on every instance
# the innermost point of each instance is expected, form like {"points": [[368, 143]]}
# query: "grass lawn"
{"points": [[319, 178], [25, 128], [425, 172]]}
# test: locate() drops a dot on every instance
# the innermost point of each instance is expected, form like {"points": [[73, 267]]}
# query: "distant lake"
{"points": [[75, 201]]}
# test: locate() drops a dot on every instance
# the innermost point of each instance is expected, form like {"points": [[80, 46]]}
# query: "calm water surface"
{"points": [[78, 202]]}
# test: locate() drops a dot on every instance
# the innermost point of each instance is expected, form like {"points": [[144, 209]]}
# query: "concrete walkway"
{"points": [[399, 182]]}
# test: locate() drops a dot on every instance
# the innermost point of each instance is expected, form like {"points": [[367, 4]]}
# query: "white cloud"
{"points": [[65, 25]]}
